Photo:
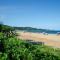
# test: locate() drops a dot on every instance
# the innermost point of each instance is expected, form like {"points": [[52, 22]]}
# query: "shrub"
{"points": [[12, 48]]}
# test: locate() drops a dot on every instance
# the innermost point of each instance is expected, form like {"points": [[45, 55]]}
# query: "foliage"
{"points": [[5, 27], [17, 49], [12, 48]]}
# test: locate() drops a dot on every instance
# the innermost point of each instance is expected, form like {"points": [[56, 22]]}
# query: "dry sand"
{"points": [[50, 39]]}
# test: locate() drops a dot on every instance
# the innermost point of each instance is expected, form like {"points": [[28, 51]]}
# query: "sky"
{"points": [[31, 13]]}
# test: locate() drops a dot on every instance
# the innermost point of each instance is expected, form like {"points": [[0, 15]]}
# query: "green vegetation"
{"points": [[12, 48]]}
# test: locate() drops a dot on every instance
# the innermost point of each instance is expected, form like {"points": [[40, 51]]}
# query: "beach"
{"points": [[49, 40]]}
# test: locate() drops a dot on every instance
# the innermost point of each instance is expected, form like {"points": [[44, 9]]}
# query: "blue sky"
{"points": [[31, 13]]}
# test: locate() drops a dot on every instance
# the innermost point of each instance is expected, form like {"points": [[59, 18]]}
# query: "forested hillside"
{"points": [[30, 29]]}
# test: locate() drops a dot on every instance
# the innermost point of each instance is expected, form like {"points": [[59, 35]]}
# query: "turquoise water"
{"points": [[35, 30], [41, 31]]}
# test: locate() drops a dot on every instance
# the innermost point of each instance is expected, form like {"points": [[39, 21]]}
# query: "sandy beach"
{"points": [[50, 39]]}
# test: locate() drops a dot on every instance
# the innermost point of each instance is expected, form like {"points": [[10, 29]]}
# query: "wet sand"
{"points": [[50, 39]]}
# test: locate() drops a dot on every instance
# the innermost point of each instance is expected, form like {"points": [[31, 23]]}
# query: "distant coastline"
{"points": [[35, 30]]}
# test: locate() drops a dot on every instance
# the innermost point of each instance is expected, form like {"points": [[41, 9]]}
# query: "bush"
{"points": [[20, 50], [12, 48], [3, 56]]}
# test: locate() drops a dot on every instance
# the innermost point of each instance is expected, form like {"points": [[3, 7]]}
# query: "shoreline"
{"points": [[50, 39]]}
